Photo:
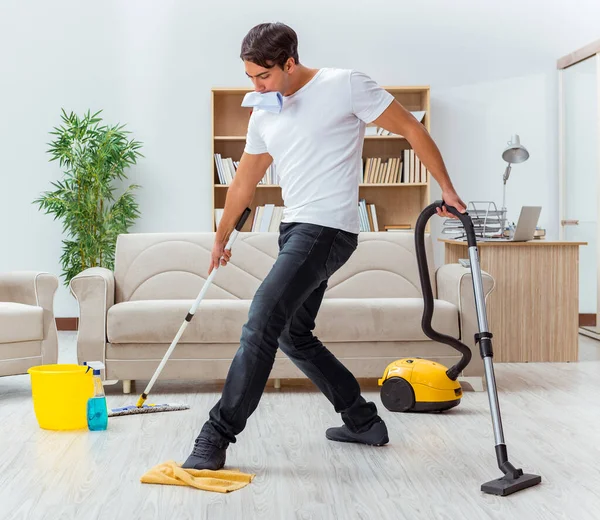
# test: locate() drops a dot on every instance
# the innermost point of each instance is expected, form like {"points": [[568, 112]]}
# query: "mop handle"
{"points": [[213, 273], [194, 307]]}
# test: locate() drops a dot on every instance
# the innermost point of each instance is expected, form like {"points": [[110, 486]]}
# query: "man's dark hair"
{"points": [[270, 44]]}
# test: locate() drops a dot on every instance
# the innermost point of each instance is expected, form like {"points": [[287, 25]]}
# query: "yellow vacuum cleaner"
{"points": [[418, 385], [421, 385], [415, 384]]}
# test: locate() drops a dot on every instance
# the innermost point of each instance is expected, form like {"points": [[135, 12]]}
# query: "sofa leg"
{"points": [[126, 386], [475, 382], [277, 383]]}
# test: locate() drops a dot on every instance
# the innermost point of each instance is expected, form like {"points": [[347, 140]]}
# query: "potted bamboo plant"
{"points": [[94, 158]]}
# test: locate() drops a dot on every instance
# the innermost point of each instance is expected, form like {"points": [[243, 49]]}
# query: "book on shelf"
{"points": [[367, 216], [267, 218], [406, 169], [227, 167], [218, 215]]}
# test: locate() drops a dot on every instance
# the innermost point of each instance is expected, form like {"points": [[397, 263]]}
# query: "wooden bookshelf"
{"points": [[395, 202]]}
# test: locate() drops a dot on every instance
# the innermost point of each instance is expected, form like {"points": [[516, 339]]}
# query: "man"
{"points": [[316, 142]]}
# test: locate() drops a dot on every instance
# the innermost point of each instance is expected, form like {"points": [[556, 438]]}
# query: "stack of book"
{"points": [[267, 218], [218, 215], [406, 169], [368, 216], [227, 167], [414, 170], [382, 171], [368, 219]]}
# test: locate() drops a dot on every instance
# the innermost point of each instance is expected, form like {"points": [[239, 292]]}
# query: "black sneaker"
{"points": [[205, 455], [376, 435]]}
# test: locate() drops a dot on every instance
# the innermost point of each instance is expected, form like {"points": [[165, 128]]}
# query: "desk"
{"points": [[533, 311]]}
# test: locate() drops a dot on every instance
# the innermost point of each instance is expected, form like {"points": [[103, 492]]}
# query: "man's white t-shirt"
{"points": [[316, 142]]}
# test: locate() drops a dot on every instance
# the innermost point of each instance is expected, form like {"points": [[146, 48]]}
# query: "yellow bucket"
{"points": [[60, 395]]}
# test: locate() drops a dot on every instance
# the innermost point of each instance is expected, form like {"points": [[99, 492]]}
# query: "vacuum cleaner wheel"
{"points": [[397, 395]]}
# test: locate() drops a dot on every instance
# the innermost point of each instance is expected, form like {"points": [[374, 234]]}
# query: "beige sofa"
{"points": [[27, 326], [371, 314]]}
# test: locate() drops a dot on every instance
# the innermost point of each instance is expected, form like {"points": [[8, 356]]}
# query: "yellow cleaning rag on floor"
{"points": [[221, 481]]}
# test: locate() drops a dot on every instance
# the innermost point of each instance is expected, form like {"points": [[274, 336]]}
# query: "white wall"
{"points": [[472, 124], [151, 64]]}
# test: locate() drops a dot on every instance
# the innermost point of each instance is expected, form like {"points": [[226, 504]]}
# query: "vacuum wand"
{"points": [[192, 311], [514, 479]]}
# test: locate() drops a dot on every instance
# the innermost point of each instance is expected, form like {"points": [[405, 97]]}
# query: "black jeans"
{"points": [[282, 314]]}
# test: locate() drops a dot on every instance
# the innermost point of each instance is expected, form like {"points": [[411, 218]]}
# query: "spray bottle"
{"points": [[97, 411]]}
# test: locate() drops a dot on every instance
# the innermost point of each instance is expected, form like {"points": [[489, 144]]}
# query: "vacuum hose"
{"points": [[424, 217]]}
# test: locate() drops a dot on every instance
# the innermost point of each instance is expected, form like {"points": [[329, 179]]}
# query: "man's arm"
{"points": [[398, 120], [240, 194]]}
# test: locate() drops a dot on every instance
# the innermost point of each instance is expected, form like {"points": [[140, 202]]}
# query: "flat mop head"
{"points": [[147, 408]]}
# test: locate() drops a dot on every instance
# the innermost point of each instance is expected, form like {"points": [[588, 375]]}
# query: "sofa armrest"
{"points": [[94, 290], [35, 288], [455, 285]]}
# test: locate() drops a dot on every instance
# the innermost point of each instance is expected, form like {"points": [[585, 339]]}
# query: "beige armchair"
{"points": [[28, 334]]}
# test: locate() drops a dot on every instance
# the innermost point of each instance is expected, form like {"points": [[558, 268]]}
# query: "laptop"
{"points": [[526, 226]]}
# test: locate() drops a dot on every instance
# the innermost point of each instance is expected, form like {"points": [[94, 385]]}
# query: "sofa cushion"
{"points": [[221, 321], [382, 319], [20, 322], [157, 321]]}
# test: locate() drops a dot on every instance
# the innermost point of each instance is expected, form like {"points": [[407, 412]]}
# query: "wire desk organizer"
{"points": [[486, 217]]}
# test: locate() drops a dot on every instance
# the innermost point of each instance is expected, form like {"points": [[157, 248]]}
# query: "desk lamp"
{"points": [[514, 153]]}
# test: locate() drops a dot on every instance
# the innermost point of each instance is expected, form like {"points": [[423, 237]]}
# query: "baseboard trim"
{"points": [[67, 323]]}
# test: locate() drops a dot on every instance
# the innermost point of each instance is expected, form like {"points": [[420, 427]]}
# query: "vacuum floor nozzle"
{"points": [[506, 485]]}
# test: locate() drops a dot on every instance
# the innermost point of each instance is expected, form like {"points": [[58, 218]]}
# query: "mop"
{"points": [[140, 406]]}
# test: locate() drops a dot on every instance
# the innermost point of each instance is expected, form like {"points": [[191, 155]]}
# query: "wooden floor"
{"points": [[432, 468]]}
